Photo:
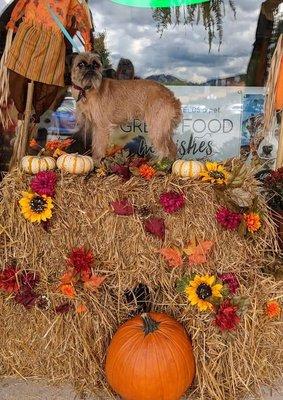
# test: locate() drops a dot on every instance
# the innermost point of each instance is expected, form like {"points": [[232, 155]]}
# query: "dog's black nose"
{"points": [[89, 67], [267, 149]]}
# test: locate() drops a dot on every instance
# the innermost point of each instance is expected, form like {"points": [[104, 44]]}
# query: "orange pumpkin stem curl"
{"points": [[149, 325]]}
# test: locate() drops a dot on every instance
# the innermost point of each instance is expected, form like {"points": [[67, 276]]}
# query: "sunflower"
{"points": [[36, 208], [215, 173], [201, 290]]}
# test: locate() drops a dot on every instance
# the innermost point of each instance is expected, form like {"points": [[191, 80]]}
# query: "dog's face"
{"points": [[87, 71]]}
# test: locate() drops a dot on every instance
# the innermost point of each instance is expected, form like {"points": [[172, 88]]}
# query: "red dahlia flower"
{"points": [[172, 201], [81, 260], [228, 219], [231, 281], [44, 182], [226, 318], [8, 280]]}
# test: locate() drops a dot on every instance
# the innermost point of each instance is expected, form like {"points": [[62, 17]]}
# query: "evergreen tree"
{"points": [[100, 48]]}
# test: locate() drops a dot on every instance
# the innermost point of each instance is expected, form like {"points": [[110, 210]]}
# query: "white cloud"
{"points": [[182, 50]]}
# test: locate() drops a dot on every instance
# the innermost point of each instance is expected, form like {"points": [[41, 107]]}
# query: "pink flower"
{"points": [[228, 219], [231, 281], [44, 182], [172, 201], [226, 318]]}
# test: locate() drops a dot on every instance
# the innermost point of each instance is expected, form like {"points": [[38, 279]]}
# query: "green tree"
{"points": [[210, 14], [100, 48]]}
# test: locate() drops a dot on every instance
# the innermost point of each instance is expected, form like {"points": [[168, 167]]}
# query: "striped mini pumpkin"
{"points": [[187, 168], [75, 163], [35, 164]]}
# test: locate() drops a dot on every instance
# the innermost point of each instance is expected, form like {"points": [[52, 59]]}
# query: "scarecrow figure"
{"points": [[36, 57]]}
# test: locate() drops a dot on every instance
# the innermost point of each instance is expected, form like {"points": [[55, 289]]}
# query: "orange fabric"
{"points": [[36, 11], [279, 89]]}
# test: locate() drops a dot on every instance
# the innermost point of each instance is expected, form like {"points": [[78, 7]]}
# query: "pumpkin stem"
{"points": [[41, 152], [149, 325]]}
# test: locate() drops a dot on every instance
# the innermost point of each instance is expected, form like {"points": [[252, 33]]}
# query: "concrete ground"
{"points": [[15, 389]]}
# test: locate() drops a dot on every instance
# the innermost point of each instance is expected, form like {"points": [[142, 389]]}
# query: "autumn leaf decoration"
{"points": [[172, 255], [122, 207], [155, 226], [196, 252], [79, 273]]}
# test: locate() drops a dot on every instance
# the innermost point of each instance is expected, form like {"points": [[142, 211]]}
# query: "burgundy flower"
{"points": [[172, 201], [81, 260], [122, 170], [44, 183], [26, 297], [231, 281], [228, 219], [8, 279], [155, 226], [226, 318]]}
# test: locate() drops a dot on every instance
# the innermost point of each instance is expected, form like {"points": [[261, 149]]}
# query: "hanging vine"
{"points": [[210, 14]]}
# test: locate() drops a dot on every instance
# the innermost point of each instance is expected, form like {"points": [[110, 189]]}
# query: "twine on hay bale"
{"points": [[72, 347]]}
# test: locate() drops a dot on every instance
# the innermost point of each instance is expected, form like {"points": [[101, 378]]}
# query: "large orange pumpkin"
{"points": [[150, 358]]}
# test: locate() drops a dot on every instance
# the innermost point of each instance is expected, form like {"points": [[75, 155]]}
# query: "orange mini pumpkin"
{"points": [[150, 358]]}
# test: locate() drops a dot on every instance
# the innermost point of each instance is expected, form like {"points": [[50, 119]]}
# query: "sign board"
{"points": [[210, 127], [217, 123]]}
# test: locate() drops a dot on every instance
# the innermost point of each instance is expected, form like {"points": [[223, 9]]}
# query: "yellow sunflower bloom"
{"points": [[201, 290], [215, 173], [36, 208]]}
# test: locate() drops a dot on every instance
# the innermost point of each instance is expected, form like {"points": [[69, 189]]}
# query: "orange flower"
{"points": [[68, 290], [68, 277], [147, 171], [252, 221], [33, 144], [81, 308], [273, 309], [58, 144]]}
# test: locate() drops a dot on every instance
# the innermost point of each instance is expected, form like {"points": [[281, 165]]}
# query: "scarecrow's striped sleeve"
{"points": [[17, 13], [83, 25]]}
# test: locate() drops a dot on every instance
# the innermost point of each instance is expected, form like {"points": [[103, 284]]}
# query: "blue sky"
{"points": [[182, 50]]}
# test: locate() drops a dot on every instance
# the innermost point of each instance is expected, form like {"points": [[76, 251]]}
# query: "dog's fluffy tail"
{"points": [[165, 116]]}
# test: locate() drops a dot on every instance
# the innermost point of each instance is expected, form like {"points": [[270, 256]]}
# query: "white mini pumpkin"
{"points": [[75, 163], [35, 164], [187, 168]]}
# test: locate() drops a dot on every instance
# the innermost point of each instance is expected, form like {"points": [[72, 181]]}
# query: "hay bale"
{"points": [[71, 347]]}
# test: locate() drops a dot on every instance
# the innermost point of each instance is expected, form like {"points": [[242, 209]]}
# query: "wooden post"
{"points": [[22, 135], [279, 160]]}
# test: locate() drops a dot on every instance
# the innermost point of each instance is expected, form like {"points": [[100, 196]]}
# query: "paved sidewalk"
{"points": [[15, 389]]}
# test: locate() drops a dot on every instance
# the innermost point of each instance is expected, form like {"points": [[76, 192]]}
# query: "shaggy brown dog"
{"points": [[107, 103]]}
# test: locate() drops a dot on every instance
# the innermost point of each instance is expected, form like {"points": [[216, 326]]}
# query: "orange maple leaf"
{"points": [[172, 255], [68, 290], [198, 253], [94, 282]]}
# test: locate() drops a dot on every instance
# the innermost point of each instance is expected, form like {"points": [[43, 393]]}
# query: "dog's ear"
{"points": [[70, 60]]}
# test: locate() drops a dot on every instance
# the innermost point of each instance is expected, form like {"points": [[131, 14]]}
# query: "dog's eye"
{"points": [[82, 64]]}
